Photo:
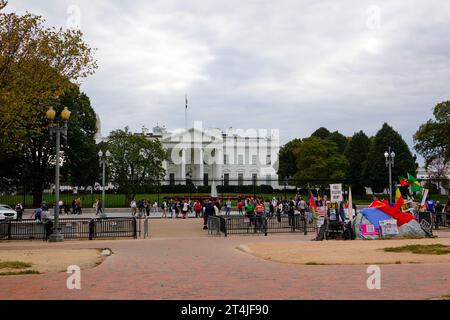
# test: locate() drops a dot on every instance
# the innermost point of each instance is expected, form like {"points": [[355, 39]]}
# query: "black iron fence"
{"points": [[261, 225], [224, 188], [75, 228]]}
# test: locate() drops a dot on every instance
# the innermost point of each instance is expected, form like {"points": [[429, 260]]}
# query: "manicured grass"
{"points": [[14, 265], [437, 249]]}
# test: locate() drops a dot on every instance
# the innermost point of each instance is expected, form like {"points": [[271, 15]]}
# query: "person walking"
{"points": [[98, 207], [209, 211], [19, 211], [147, 207]]}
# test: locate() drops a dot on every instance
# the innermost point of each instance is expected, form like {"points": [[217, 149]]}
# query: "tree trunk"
{"points": [[38, 190]]}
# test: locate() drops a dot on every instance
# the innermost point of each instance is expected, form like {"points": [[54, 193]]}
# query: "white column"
{"points": [[201, 168], [183, 164]]}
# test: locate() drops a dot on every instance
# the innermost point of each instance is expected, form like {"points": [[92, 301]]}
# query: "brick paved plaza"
{"points": [[180, 261]]}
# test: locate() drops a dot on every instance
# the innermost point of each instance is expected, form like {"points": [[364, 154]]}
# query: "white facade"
{"points": [[236, 156]]}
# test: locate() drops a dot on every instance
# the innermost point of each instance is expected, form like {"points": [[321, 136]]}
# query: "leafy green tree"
{"points": [[321, 133], [37, 64], [287, 164], [339, 139], [432, 140], [80, 151], [319, 160], [356, 153], [375, 173], [135, 161]]}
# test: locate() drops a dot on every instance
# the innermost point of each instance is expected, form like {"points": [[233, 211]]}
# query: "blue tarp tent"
{"points": [[375, 216]]}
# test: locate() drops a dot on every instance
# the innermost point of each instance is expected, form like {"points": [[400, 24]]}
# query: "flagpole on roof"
{"points": [[185, 114]]}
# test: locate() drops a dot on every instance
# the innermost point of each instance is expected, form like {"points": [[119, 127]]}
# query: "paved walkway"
{"points": [[187, 264]]}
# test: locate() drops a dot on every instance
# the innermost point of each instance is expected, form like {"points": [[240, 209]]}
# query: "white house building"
{"points": [[205, 157]]}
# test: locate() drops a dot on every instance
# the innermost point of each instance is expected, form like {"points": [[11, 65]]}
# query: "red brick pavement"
{"points": [[212, 268]]}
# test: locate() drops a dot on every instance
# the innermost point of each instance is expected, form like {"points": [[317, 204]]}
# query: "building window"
{"points": [[240, 179], [268, 179], [254, 159], [254, 178], [268, 160], [172, 179], [205, 179], [226, 159], [226, 179], [241, 159]]}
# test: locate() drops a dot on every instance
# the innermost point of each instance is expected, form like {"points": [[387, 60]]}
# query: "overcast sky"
{"points": [[288, 65]]}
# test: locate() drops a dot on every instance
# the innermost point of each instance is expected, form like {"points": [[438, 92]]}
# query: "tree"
{"points": [[438, 170], [319, 160], [432, 140], [375, 173], [356, 153], [37, 64], [287, 165], [339, 139], [135, 161], [80, 152], [321, 133]]}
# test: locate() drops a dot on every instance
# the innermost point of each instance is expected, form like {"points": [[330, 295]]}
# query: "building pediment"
{"points": [[193, 135]]}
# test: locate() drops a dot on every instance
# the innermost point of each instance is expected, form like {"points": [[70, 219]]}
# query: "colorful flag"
{"points": [[312, 206], [403, 182], [398, 194]]}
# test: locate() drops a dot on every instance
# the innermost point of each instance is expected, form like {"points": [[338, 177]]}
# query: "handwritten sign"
{"points": [[389, 228], [336, 192]]}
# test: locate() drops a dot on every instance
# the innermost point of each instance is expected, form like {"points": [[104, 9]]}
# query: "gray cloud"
{"points": [[292, 65]]}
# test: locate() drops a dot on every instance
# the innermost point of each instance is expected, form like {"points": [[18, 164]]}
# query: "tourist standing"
{"points": [[240, 205], [209, 211], [228, 207], [133, 207], [198, 208], [19, 211], [164, 209], [185, 209]]}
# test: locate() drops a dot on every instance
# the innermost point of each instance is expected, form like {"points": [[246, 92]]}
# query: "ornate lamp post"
{"points": [[58, 127], [389, 156], [103, 161]]}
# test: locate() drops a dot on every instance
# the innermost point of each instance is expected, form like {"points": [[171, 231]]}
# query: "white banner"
{"points": [[336, 192]]}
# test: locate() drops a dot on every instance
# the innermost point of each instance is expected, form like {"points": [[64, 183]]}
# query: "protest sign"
{"points": [[336, 192]]}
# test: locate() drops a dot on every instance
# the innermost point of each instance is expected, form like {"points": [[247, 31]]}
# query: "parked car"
{"points": [[6, 212]]}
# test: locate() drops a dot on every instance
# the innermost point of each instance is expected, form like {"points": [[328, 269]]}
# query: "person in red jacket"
{"points": [[198, 209]]}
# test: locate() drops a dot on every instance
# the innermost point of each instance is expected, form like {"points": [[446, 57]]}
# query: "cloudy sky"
{"points": [[288, 65]]}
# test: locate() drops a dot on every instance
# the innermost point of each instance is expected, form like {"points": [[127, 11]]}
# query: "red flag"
{"points": [[312, 203]]}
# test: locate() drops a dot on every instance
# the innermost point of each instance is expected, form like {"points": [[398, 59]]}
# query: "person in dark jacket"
{"points": [[209, 211]]}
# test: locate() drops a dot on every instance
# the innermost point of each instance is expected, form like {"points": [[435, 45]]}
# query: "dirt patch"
{"points": [[44, 261], [345, 252]]}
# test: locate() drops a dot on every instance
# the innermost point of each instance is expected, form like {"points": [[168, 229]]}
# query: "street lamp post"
{"points": [[103, 161], [57, 127], [389, 156]]}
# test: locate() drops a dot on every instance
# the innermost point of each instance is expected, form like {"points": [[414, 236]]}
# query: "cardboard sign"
{"points": [[369, 230], [336, 192], [332, 214], [426, 222], [389, 227], [321, 211]]}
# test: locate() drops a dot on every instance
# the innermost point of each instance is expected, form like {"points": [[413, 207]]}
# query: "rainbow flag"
{"points": [[312, 207]]}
